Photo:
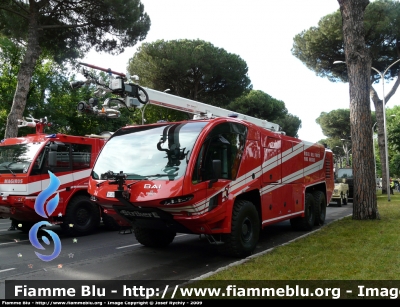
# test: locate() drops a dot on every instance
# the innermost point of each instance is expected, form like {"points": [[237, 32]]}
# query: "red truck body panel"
{"points": [[274, 168], [19, 187]]}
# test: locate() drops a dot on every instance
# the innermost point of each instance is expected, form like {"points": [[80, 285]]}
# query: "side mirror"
{"points": [[217, 172]]}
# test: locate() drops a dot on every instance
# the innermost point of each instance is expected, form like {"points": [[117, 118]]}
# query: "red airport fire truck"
{"points": [[24, 165], [223, 175]]}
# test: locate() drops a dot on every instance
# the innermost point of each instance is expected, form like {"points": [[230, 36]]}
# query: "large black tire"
{"points": [[109, 222], [81, 218], [307, 222], [320, 208], [245, 231], [154, 237], [345, 199], [339, 201]]}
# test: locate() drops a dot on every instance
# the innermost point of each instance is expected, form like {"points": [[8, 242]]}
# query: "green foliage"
{"points": [[393, 136], [335, 124], [13, 21], [318, 47], [3, 120], [393, 127], [153, 113], [51, 96], [394, 165], [61, 108], [68, 29], [261, 105], [290, 124], [193, 69], [10, 58]]}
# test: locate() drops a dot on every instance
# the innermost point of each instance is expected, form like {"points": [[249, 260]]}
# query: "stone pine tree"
{"points": [[66, 30], [358, 63], [193, 69], [261, 105], [320, 47]]}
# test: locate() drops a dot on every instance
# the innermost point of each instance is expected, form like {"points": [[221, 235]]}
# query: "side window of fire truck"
{"points": [[225, 143], [81, 154], [63, 158], [196, 177]]}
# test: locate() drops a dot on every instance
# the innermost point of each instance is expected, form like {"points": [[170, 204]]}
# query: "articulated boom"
{"points": [[202, 110], [130, 93]]}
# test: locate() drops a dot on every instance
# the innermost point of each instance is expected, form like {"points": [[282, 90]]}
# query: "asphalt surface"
{"points": [[110, 255]]}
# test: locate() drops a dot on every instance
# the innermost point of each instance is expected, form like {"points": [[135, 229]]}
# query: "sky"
{"points": [[261, 32]]}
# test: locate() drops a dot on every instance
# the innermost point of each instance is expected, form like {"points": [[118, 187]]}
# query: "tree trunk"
{"points": [[24, 75], [359, 67]]}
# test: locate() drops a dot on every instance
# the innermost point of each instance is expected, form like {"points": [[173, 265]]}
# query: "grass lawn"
{"points": [[346, 249], [346, 252]]}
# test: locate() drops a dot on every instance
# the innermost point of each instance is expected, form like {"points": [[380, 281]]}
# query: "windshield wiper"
{"points": [[160, 175], [7, 167], [134, 176]]}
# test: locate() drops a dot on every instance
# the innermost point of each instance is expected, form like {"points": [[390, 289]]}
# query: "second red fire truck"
{"points": [[24, 165]]}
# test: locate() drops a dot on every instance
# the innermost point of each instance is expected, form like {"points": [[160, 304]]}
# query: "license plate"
{"points": [[110, 194]]}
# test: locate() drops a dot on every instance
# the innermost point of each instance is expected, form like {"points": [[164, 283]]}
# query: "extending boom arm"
{"points": [[202, 110], [108, 70]]}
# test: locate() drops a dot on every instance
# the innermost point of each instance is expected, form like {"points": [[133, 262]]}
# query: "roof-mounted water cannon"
{"points": [[131, 95], [39, 124], [88, 107]]}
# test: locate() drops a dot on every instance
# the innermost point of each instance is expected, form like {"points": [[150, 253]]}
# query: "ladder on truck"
{"points": [[203, 110]]}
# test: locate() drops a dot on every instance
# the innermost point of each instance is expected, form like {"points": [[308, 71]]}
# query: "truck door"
{"points": [[224, 143], [57, 159], [81, 155]]}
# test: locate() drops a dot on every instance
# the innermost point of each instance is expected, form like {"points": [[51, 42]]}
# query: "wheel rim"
{"points": [[247, 230], [82, 216]]}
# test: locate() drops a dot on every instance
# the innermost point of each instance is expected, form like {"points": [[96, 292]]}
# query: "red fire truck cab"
{"points": [[24, 173]]}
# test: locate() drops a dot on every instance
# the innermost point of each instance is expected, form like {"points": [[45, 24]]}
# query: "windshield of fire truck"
{"points": [[17, 158], [149, 152]]}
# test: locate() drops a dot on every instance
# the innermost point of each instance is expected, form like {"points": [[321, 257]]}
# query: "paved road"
{"points": [[109, 255]]}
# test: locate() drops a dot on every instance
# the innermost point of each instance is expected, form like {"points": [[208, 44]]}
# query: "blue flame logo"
{"points": [[39, 208]]}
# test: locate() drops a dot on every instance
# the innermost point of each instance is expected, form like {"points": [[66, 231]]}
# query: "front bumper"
{"points": [[215, 221], [19, 208]]}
